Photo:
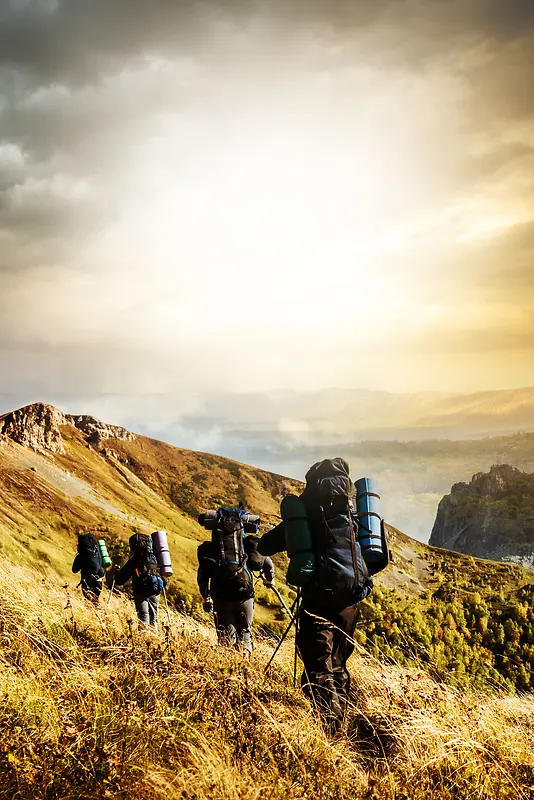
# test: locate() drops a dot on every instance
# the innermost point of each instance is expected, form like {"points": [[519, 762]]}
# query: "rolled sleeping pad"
{"points": [[299, 542], [160, 547], [209, 519], [251, 523], [106, 560], [370, 519]]}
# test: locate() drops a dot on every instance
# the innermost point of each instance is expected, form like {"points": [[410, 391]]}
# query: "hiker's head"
{"points": [[86, 541]]}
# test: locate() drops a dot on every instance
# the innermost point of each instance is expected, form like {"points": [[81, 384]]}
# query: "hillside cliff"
{"points": [[491, 517], [38, 426]]}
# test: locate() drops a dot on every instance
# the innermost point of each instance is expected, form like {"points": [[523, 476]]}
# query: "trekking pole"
{"points": [[296, 635], [167, 607], [278, 646], [283, 602], [110, 593]]}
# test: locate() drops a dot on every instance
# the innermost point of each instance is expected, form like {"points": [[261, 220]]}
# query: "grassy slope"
{"points": [[127, 486], [146, 484], [90, 709]]}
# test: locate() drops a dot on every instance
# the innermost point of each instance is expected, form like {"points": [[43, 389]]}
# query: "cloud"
{"points": [[187, 186]]}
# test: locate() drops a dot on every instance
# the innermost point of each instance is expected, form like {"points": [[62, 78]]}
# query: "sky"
{"points": [[264, 194]]}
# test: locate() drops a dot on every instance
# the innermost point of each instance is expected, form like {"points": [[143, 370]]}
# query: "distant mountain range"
{"points": [[333, 415]]}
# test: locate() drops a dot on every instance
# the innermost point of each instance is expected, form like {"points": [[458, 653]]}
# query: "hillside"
{"points": [[492, 516], [60, 475], [76, 473], [92, 709]]}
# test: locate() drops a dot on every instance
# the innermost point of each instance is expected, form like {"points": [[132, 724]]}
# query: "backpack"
{"points": [[341, 575], [147, 580], [149, 583], [231, 578], [90, 558]]}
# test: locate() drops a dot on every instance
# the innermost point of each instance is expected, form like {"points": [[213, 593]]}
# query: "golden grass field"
{"points": [[90, 708]]}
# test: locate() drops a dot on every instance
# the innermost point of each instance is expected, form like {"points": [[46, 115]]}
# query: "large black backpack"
{"points": [[230, 575], [91, 567], [147, 579], [341, 575]]}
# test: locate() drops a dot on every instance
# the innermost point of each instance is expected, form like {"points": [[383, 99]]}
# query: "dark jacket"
{"points": [[91, 568], [133, 569]]}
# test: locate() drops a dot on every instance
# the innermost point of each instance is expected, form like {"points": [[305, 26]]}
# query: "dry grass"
{"points": [[92, 709]]}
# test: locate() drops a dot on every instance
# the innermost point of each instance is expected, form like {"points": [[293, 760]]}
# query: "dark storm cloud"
{"points": [[72, 41]]}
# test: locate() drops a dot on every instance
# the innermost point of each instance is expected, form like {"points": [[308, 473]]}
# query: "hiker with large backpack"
{"points": [[224, 577], [89, 563], [147, 584], [319, 531]]}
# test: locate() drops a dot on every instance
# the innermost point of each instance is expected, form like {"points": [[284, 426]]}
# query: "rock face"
{"points": [[490, 517], [35, 426], [96, 431], [38, 426]]}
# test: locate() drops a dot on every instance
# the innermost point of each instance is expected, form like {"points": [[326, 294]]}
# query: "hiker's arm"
{"points": [[76, 566], [124, 573], [274, 541], [268, 570], [203, 581]]}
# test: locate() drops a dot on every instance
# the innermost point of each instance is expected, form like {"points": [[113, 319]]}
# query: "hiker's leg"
{"points": [[315, 643], [225, 617], [153, 603], [91, 591], [243, 618], [142, 608], [97, 590], [343, 648]]}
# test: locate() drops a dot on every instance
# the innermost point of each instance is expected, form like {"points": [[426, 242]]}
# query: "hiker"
{"points": [[224, 575], [329, 601], [147, 584], [88, 561]]}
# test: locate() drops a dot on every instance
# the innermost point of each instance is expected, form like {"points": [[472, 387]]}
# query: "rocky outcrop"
{"points": [[35, 426], [38, 426], [490, 517], [96, 431]]}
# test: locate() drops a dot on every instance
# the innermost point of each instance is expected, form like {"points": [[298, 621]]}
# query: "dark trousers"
{"points": [[324, 643], [233, 619]]}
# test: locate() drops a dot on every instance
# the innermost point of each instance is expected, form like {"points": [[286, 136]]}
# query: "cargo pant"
{"points": [[147, 609], [324, 641], [233, 620]]}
